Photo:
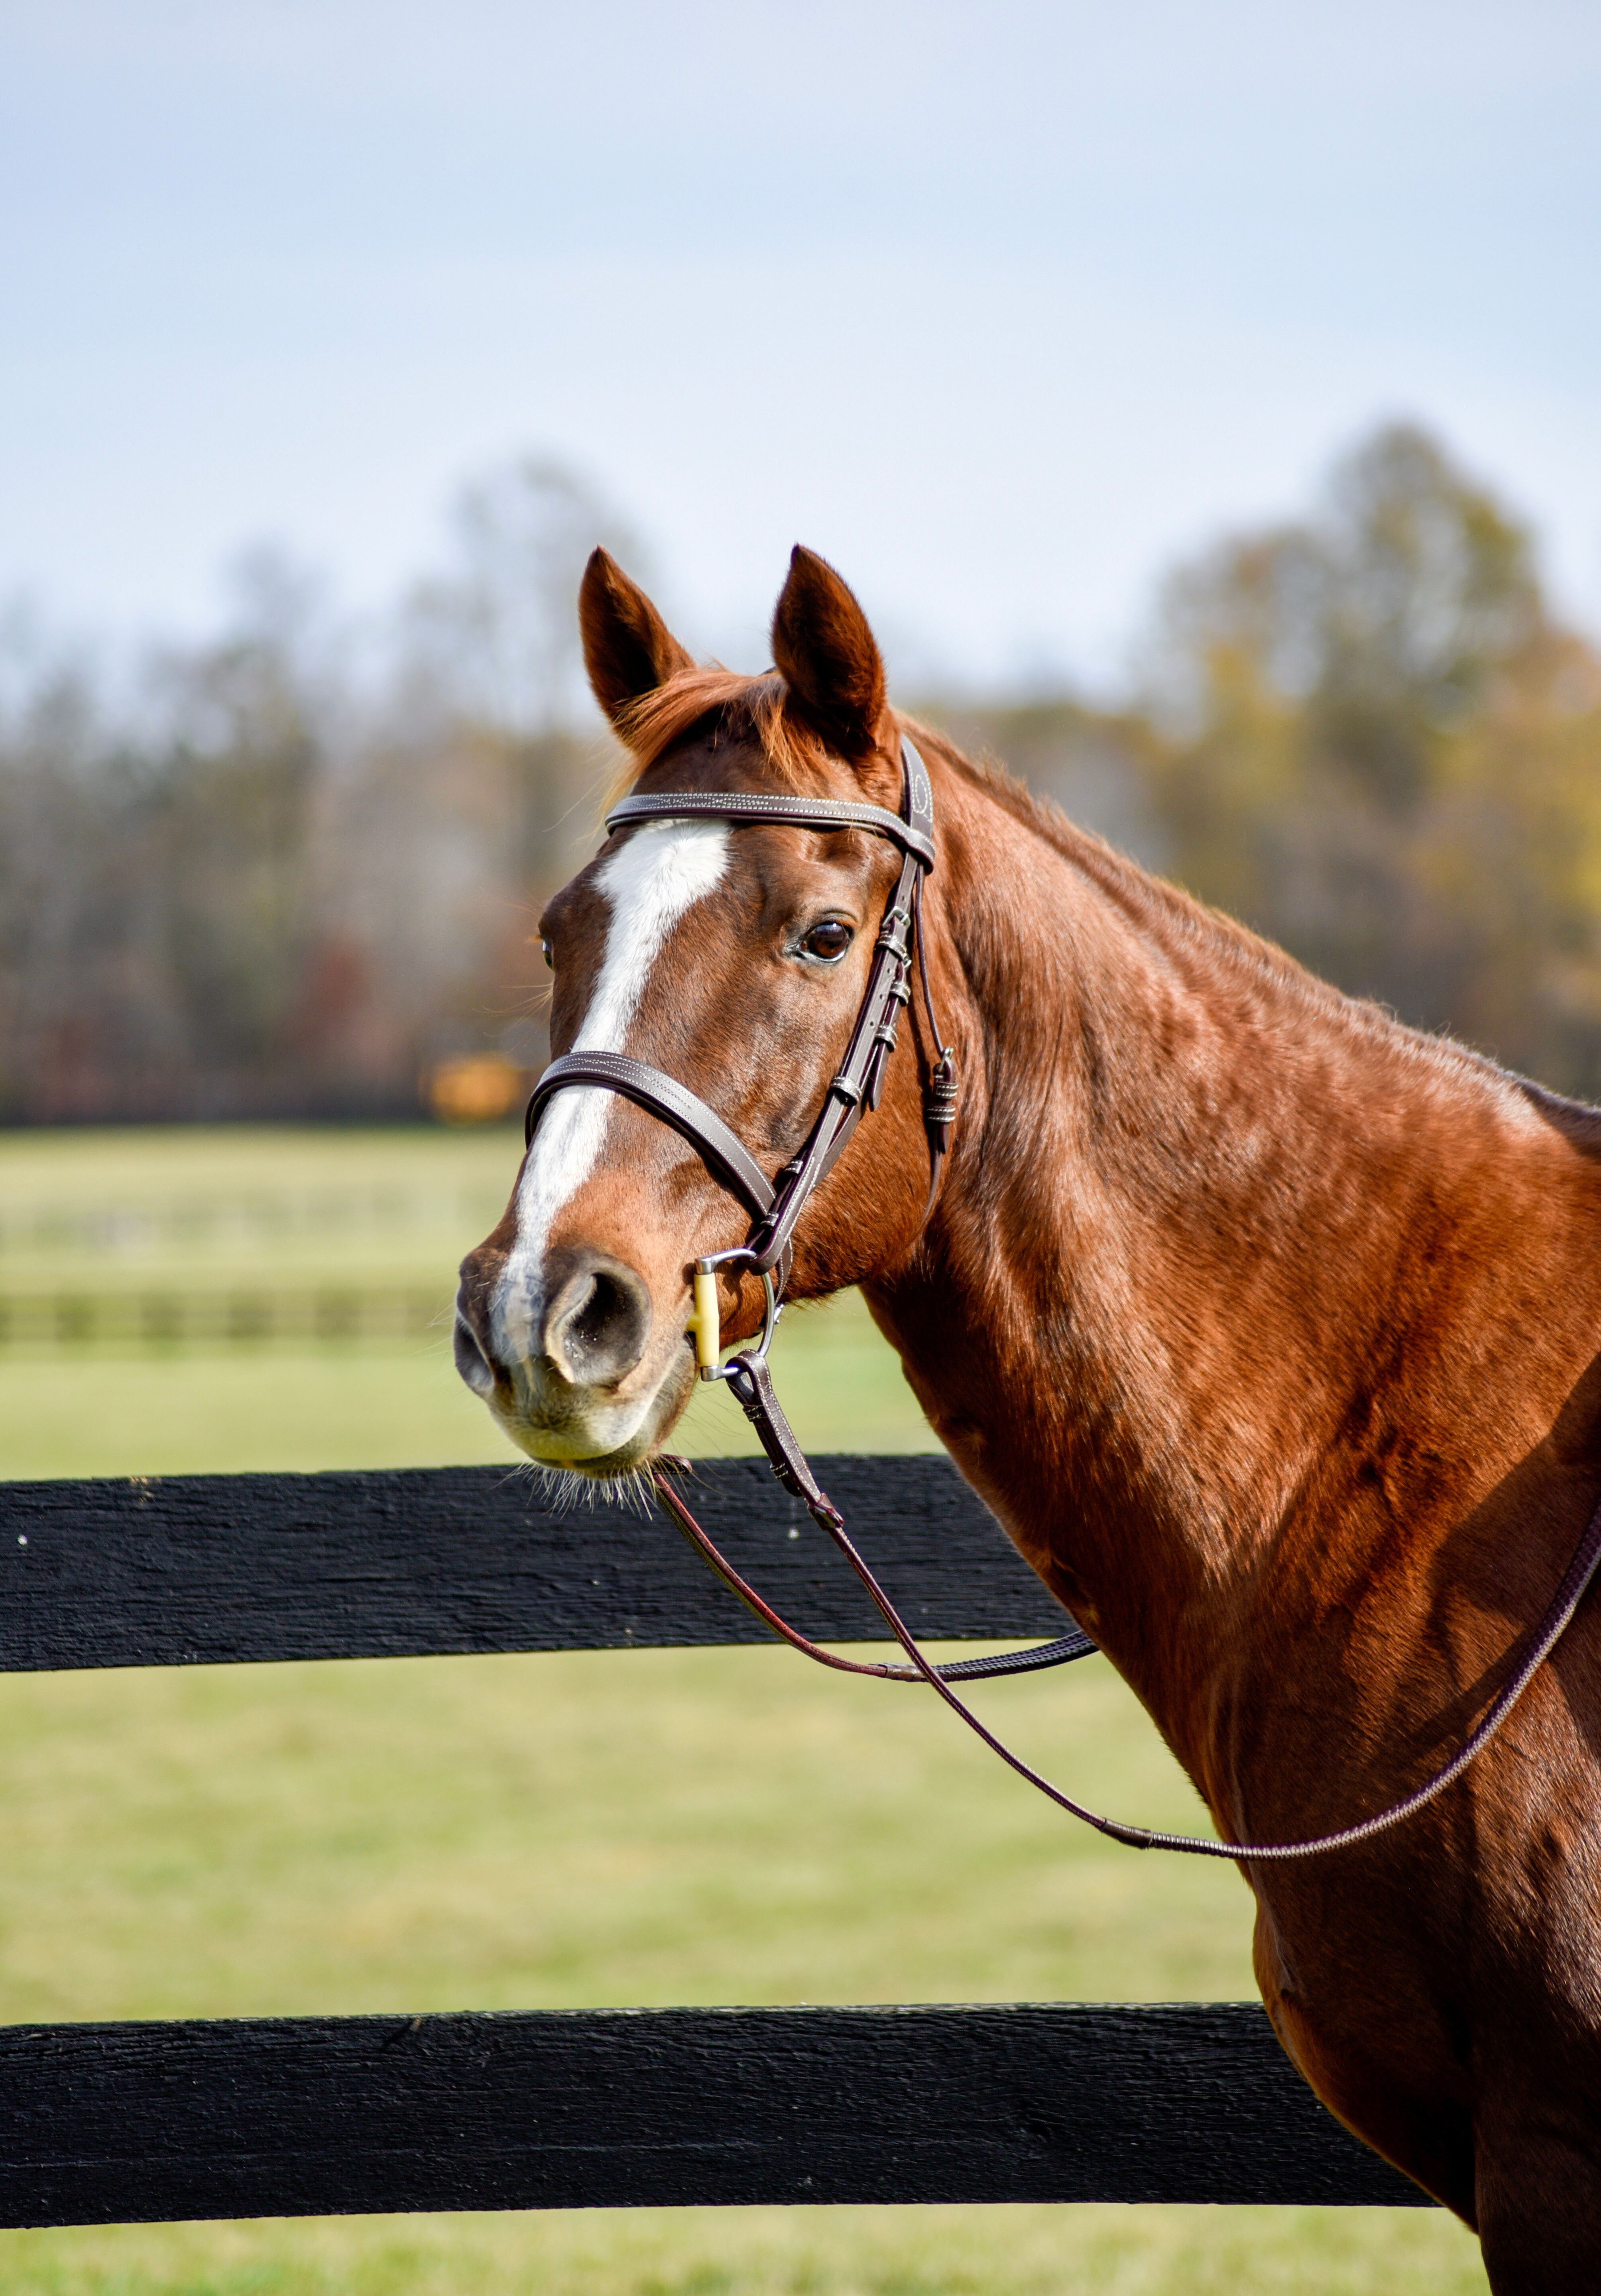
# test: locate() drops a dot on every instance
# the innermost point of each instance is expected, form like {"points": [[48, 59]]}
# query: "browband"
{"points": [[912, 836]]}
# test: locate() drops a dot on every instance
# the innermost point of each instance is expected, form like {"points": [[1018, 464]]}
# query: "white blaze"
{"points": [[663, 870]]}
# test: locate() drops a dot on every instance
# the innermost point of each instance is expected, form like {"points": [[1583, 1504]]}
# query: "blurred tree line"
{"points": [[1367, 735], [285, 876], [278, 877]]}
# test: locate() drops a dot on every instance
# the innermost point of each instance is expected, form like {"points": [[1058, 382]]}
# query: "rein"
{"points": [[776, 1206]]}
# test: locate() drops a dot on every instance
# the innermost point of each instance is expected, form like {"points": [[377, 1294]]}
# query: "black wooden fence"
{"points": [[299, 2116]]}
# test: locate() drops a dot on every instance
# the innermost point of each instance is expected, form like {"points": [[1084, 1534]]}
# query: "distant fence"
{"points": [[161, 1316], [241, 1214], [111, 2123]]}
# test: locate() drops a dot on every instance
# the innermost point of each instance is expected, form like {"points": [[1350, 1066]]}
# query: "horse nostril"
{"points": [[589, 1326], [469, 1358], [598, 1322]]}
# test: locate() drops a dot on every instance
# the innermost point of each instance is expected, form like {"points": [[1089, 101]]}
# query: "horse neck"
{"points": [[1200, 1210]]}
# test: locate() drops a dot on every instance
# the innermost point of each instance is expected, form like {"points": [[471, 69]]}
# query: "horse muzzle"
{"points": [[574, 1377]]}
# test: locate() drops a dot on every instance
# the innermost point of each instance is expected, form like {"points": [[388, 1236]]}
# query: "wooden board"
{"points": [[675, 2107], [312, 2116], [217, 1569]]}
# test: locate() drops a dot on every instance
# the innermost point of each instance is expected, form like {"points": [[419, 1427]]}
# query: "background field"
{"points": [[590, 1829], [244, 1211]]}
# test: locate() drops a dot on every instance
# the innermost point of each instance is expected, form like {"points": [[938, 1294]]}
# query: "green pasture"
{"points": [[115, 1212], [641, 1827]]}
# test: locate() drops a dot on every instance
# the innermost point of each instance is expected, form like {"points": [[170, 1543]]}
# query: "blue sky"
{"points": [[1001, 307]]}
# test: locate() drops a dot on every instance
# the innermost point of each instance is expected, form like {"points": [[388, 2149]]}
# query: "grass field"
{"points": [[293, 1207], [582, 1830]]}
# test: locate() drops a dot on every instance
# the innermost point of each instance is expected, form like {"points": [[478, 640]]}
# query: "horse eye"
{"points": [[829, 940], [549, 952]]}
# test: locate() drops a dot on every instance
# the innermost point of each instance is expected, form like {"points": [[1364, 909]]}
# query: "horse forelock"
{"points": [[733, 709]]}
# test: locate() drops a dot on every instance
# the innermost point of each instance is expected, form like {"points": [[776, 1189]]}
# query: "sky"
{"points": [[1003, 308]]}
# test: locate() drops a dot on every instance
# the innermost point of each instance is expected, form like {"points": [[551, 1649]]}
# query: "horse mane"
{"points": [[756, 709], [1175, 915]]}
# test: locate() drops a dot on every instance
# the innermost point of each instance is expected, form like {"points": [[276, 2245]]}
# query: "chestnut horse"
{"points": [[1268, 1327]]}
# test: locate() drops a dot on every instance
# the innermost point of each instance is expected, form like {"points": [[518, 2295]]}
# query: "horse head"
{"points": [[731, 957]]}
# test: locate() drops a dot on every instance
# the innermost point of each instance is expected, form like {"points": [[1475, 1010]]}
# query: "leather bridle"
{"points": [[776, 1206]]}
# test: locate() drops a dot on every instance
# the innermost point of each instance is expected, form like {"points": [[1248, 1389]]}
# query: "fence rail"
{"points": [[160, 1316], [313, 2116], [245, 1215]]}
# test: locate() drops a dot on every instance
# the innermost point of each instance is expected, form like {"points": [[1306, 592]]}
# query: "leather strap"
{"points": [[792, 812], [1061, 1652], [674, 1104], [791, 1466], [753, 1385], [858, 1084]]}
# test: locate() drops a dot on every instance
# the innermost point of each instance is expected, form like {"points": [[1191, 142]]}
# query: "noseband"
{"points": [[776, 1205]]}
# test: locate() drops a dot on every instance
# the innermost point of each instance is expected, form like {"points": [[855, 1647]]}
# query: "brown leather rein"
{"points": [[776, 1206]]}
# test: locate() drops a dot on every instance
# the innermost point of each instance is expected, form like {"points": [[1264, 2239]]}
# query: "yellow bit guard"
{"points": [[705, 1321]]}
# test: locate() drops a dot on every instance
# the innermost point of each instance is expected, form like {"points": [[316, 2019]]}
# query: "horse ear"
{"points": [[828, 655], [628, 649]]}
